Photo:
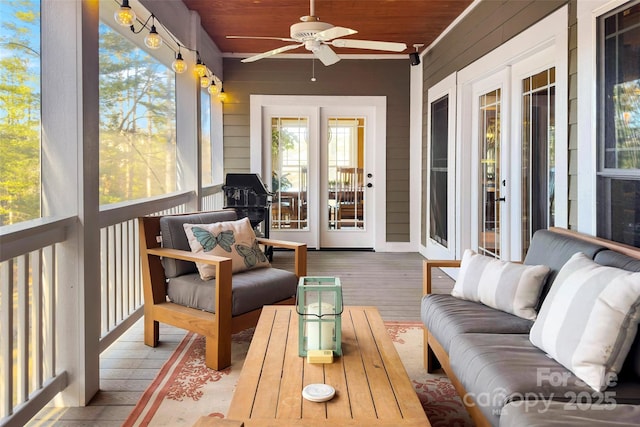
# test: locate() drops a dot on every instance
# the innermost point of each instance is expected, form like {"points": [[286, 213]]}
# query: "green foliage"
{"points": [[19, 112], [281, 140], [137, 122]]}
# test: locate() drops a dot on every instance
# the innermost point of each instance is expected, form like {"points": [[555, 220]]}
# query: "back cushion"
{"points": [[173, 236], [554, 250], [611, 258]]}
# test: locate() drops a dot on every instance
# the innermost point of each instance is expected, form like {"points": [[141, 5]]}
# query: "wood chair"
{"points": [[350, 197], [216, 326]]}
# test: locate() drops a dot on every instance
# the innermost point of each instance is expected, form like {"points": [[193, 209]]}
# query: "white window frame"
{"points": [[434, 250], [588, 13]]}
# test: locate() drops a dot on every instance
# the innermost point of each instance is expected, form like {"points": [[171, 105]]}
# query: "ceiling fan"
{"points": [[316, 36]]}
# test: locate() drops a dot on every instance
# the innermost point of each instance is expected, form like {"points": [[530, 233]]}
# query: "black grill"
{"points": [[248, 196]]}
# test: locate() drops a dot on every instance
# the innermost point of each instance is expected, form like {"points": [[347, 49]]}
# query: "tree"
{"points": [[19, 112]]}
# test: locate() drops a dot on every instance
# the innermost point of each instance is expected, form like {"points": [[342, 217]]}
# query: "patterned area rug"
{"points": [[186, 389]]}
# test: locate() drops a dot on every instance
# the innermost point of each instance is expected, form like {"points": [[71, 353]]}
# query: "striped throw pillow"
{"points": [[589, 319], [507, 286]]}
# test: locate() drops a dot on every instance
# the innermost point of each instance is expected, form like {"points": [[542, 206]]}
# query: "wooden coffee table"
{"points": [[372, 386]]}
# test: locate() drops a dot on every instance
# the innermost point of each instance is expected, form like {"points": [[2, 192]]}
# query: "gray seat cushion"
{"points": [[498, 368], [174, 236], [251, 289], [446, 316], [562, 414]]}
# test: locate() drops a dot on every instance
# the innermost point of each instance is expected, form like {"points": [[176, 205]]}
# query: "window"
{"points": [[438, 229], [137, 121], [19, 111], [206, 156], [618, 179]]}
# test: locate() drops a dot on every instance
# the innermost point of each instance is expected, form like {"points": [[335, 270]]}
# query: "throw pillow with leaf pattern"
{"points": [[230, 239]]}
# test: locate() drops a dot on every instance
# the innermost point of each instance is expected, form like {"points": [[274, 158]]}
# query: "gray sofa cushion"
{"points": [[498, 368], [173, 236], [616, 259], [554, 250], [446, 316], [250, 289], [540, 413]]}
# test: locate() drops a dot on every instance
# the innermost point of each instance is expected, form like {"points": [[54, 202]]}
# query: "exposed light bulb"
{"points": [[213, 89], [221, 95], [200, 69], [153, 39], [125, 16], [205, 81], [179, 65]]}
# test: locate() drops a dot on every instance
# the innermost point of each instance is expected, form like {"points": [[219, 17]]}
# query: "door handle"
{"points": [[501, 199]]}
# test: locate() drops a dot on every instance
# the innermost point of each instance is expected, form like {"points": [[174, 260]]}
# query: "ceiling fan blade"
{"points": [[326, 55], [272, 52], [262, 38], [334, 33], [369, 44]]}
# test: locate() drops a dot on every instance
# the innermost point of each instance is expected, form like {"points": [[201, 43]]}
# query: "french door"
{"points": [[513, 167], [322, 174]]}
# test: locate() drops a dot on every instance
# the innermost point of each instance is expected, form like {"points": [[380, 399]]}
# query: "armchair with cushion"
{"points": [[174, 273]]}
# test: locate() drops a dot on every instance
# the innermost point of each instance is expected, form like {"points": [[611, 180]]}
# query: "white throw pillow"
{"points": [[230, 239], [507, 286], [589, 319]]}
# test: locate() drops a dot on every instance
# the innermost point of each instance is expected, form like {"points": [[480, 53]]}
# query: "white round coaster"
{"points": [[318, 392]]}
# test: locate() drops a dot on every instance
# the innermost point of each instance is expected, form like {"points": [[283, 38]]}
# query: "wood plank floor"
{"points": [[390, 281]]}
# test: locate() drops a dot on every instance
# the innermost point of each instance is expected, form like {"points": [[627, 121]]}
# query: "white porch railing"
{"points": [[28, 310]]}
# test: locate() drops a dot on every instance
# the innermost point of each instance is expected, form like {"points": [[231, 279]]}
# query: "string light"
{"points": [[213, 89], [125, 16], [178, 65], [221, 95], [200, 68], [153, 39], [205, 81]]}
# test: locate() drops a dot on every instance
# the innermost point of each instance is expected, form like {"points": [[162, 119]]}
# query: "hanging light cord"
{"points": [[133, 30]]}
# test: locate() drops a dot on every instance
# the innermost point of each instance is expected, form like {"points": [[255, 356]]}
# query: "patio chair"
{"points": [[176, 294]]}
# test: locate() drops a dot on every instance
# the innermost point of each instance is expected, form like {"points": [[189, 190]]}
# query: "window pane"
{"points": [[137, 122], [618, 189], [438, 185], [19, 111], [538, 156], [289, 172], [619, 206], [622, 93], [205, 136]]}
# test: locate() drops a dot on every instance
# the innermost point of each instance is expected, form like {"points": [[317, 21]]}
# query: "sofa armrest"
{"points": [[300, 254], [430, 264]]}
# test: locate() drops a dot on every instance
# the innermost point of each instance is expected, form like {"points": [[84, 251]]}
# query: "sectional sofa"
{"points": [[550, 341]]}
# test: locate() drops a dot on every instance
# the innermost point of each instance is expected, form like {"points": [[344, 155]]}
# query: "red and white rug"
{"points": [[185, 389]]}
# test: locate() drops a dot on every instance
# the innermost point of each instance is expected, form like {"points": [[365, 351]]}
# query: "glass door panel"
{"points": [[289, 172], [538, 154], [489, 179], [344, 174]]}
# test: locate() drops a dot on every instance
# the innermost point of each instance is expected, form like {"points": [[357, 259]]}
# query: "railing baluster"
{"points": [[49, 311], [104, 281], [36, 319], [111, 272], [22, 360], [6, 337]]}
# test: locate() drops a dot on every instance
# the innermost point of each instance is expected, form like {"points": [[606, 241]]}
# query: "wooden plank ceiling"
{"points": [[406, 21]]}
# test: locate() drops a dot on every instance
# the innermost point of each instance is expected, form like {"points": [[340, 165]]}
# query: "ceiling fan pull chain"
{"points": [[313, 69]]}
